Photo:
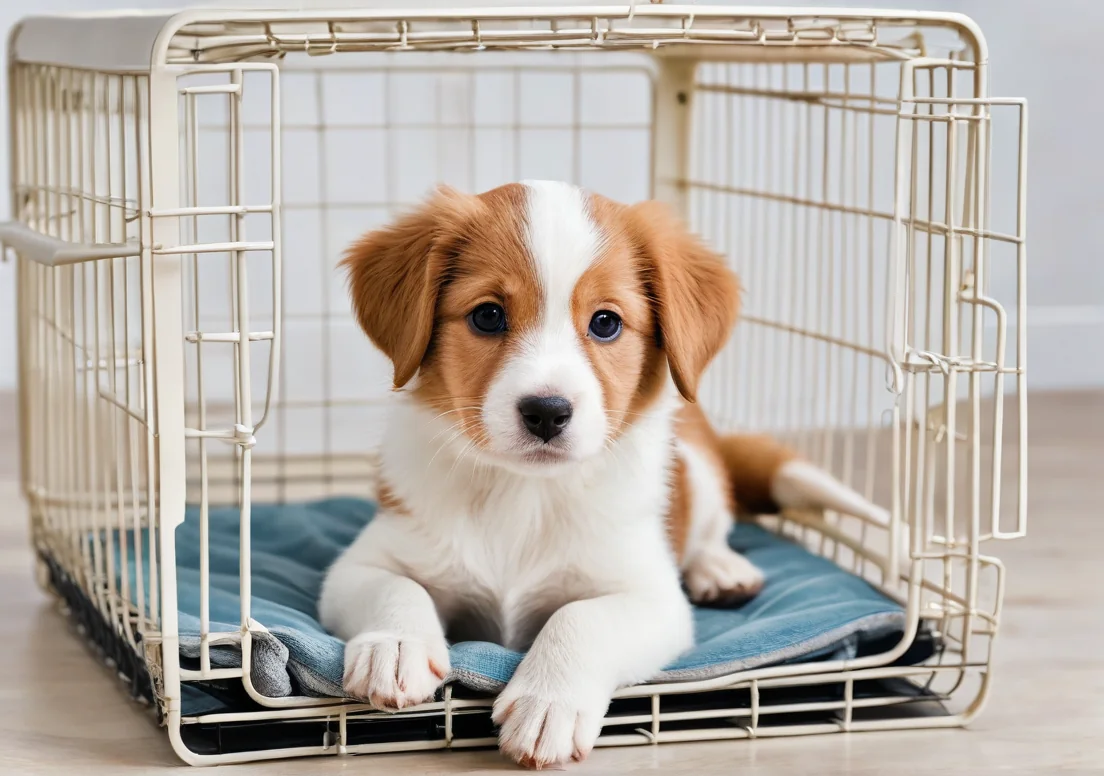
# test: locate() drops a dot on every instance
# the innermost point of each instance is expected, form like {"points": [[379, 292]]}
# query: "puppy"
{"points": [[547, 481]]}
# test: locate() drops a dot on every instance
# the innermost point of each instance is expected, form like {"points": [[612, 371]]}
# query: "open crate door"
{"points": [[229, 246], [957, 338]]}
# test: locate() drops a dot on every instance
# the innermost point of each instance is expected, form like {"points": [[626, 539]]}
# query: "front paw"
{"points": [[538, 728], [393, 671]]}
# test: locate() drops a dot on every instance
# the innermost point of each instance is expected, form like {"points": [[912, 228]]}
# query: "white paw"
{"points": [[722, 575], [538, 728], [391, 671]]}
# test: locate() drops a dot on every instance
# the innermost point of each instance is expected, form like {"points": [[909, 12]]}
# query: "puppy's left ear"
{"points": [[695, 295]]}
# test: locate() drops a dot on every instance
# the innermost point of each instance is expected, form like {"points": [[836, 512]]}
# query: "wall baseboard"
{"points": [[1065, 346]]}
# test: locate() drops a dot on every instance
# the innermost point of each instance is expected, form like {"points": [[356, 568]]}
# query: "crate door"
{"points": [[957, 336], [229, 244]]}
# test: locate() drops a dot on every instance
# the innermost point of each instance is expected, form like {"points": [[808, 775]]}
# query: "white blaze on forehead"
{"points": [[563, 241]]}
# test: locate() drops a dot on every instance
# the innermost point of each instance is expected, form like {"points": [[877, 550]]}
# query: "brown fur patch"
{"points": [[693, 428], [389, 502], [751, 462], [679, 508], [747, 463]]}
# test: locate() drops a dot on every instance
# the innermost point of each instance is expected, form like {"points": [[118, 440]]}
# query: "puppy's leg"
{"points": [[552, 709], [395, 652], [713, 572]]}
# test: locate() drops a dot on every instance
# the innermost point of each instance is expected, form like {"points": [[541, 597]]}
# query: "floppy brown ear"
{"points": [[696, 296], [395, 274]]}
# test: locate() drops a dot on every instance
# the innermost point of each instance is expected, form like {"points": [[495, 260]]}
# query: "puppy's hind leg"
{"points": [[717, 574], [712, 572]]}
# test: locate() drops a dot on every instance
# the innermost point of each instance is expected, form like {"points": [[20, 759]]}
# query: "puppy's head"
{"points": [[541, 320]]}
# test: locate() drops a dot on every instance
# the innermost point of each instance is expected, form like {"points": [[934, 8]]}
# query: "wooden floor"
{"points": [[62, 713]]}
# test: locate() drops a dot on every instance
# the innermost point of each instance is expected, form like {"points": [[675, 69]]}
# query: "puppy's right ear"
{"points": [[396, 272]]}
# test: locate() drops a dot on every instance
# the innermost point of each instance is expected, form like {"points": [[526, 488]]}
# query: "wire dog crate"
{"points": [[184, 183]]}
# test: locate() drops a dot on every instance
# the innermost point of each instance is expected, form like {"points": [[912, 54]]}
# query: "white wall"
{"points": [[1054, 62]]}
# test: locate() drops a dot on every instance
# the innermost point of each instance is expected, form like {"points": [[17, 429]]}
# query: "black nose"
{"points": [[545, 416]]}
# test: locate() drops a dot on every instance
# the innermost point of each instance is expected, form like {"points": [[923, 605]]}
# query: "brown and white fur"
{"points": [[575, 547]]}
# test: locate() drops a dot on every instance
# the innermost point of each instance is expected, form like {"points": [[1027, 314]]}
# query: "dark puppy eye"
{"points": [[487, 318], [605, 326]]}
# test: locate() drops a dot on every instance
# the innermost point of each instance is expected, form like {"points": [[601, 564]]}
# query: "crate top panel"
{"points": [[136, 42]]}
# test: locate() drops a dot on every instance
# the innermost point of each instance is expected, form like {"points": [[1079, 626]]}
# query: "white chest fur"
{"points": [[500, 551]]}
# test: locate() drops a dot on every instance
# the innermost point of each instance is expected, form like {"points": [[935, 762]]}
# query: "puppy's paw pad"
{"points": [[392, 671], [722, 576], [546, 730]]}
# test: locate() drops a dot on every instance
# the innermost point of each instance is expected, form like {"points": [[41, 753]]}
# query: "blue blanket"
{"points": [[808, 609]]}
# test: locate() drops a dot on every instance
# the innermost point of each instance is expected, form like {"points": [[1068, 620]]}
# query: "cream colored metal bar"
{"points": [[54, 252], [1021, 327], [191, 150], [167, 282], [234, 246], [209, 674], [215, 210], [801, 95], [778, 709], [299, 126], [362, 712], [835, 207], [352, 710], [812, 334], [228, 336], [672, 112], [212, 89], [276, 221]]}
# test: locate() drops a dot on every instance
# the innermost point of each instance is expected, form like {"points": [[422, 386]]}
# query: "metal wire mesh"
{"points": [[86, 389]]}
